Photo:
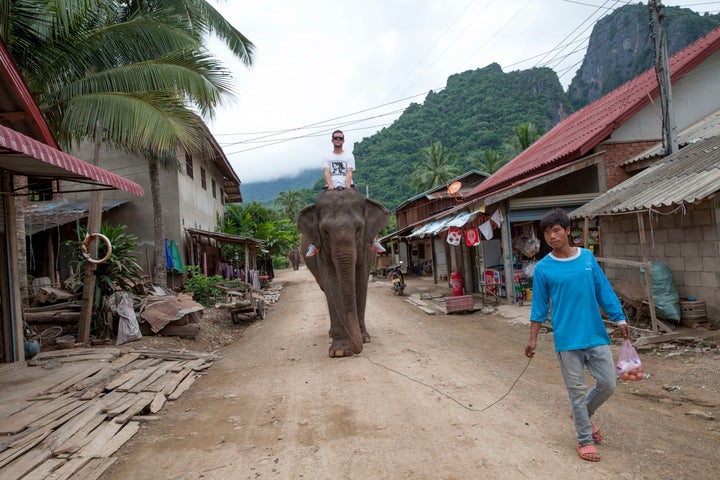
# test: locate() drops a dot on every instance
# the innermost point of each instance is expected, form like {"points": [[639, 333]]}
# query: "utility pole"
{"points": [[662, 71]]}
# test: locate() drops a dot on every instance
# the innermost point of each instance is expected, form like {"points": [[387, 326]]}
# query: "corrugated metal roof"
{"points": [[705, 128], [41, 216], [582, 131], [687, 176]]}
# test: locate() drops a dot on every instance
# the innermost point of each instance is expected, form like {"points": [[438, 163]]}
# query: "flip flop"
{"points": [[588, 452], [597, 435]]}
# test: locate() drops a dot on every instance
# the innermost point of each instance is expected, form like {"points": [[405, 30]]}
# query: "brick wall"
{"points": [[688, 242], [616, 153]]}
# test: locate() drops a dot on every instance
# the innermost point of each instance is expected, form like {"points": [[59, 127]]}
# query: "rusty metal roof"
{"points": [[41, 216], [687, 176]]}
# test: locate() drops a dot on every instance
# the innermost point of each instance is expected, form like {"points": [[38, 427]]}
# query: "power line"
{"points": [[320, 128]]}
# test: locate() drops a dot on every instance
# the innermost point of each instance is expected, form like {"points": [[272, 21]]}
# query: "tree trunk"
{"points": [[159, 275]]}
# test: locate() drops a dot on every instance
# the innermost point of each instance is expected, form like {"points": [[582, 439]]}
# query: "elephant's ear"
{"points": [[376, 217], [307, 221]]}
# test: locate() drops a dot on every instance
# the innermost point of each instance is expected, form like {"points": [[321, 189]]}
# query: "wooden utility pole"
{"points": [[93, 226], [662, 71]]}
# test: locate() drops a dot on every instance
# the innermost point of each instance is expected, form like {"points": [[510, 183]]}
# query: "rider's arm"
{"points": [[328, 179]]}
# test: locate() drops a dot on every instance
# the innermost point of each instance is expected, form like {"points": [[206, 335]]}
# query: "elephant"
{"points": [[294, 258], [342, 224]]}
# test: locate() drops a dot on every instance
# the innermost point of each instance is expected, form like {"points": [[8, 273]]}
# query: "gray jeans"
{"points": [[599, 363]]}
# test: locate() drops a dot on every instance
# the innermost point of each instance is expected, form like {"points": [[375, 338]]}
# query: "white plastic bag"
{"points": [[128, 327]]}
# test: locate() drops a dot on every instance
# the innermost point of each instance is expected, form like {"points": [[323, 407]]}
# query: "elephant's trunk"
{"points": [[345, 266]]}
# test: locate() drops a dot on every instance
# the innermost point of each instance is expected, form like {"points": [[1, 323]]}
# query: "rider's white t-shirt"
{"points": [[338, 165]]}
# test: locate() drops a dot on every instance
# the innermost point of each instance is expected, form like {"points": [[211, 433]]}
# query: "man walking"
{"points": [[572, 280]]}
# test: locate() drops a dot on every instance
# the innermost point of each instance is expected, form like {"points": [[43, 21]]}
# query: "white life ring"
{"points": [[102, 237]]}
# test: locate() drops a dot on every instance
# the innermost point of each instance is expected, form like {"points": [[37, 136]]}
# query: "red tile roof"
{"points": [[582, 131]]}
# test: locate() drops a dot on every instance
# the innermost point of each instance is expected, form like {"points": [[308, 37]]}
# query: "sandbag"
{"points": [[665, 293]]}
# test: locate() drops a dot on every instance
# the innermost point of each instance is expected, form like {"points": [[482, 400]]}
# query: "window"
{"points": [[214, 194], [203, 179], [222, 196], [189, 165], [40, 190]]}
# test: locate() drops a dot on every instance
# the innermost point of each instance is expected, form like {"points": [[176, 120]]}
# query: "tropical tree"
{"points": [[257, 221], [291, 202], [138, 69], [524, 135], [491, 160], [435, 169]]}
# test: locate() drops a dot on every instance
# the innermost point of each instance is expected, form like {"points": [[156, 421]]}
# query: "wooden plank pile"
{"points": [[72, 429]]}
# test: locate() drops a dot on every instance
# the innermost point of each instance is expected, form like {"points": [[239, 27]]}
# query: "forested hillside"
{"points": [[479, 109]]}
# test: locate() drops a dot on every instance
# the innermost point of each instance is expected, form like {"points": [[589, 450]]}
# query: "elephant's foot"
{"points": [[342, 348]]}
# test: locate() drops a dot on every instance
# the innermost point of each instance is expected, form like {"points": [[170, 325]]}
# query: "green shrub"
{"points": [[203, 288]]}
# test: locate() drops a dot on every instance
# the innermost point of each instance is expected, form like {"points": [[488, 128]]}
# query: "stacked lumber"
{"points": [[52, 306], [72, 429]]}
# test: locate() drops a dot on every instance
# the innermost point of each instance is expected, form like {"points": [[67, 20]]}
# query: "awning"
{"points": [[26, 156], [437, 226]]}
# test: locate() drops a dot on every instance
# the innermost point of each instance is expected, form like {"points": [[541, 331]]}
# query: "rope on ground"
{"points": [[448, 396]]}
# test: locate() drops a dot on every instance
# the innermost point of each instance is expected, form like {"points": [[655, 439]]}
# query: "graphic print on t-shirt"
{"points": [[338, 168]]}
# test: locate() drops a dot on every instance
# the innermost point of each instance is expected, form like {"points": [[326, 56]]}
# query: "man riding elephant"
{"points": [[343, 223]]}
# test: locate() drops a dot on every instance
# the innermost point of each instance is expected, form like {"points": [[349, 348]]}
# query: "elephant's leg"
{"points": [[344, 332]]}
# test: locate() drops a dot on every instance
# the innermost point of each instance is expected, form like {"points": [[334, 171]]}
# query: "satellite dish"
{"points": [[454, 187]]}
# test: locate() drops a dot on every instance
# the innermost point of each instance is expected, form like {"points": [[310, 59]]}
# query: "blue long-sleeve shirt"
{"points": [[576, 287]]}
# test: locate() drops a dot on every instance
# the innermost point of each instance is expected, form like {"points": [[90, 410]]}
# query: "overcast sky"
{"points": [[355, 65]]}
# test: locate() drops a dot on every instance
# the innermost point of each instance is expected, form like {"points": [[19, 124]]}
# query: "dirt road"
{"points": [[418, 403]]}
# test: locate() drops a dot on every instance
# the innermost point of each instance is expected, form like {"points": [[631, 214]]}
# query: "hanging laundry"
{"points": [[177, 263], [472, 237], [454, 236], [168, 256], [487, 230], [497, 217]]}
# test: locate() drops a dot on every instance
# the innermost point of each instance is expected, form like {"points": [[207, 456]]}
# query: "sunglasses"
{"points": [[338, 138]]}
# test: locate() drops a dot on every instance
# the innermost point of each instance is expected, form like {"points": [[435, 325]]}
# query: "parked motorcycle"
{"points": [[396, 278]]}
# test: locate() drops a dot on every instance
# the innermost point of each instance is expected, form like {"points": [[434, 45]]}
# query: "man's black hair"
{"points": [[556, 216]]}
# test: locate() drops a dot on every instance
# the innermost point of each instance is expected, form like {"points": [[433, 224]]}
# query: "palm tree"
{"points": [[437, 167], [524, 135], [138, 69], [257, 221], [290, 202], [492, 160]]}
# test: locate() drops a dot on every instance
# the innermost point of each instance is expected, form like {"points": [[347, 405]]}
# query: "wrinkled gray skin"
{"points": [[294, 258], [343, 223]]}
